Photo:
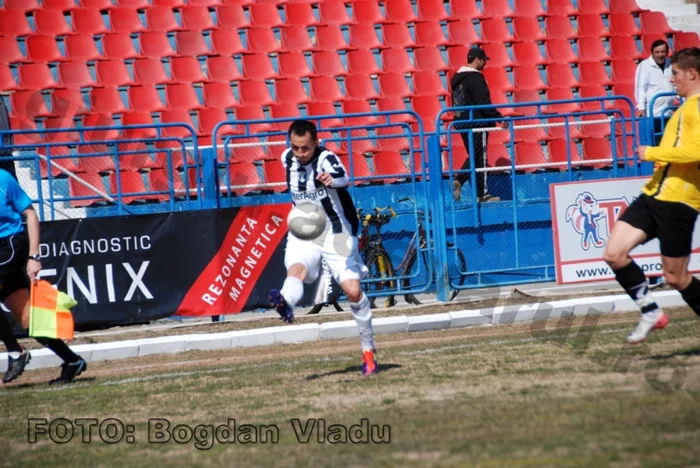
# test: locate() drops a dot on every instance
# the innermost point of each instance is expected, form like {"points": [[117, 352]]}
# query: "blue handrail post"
{"points": [[210, 184], [437, 209]]}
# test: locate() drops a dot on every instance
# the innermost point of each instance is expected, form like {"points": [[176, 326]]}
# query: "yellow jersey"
{"points": [[676, 175]]}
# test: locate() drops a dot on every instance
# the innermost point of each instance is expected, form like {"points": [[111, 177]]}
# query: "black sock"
{"points": [[691, 295], [632, 279], [60, 348], [7, 336]]}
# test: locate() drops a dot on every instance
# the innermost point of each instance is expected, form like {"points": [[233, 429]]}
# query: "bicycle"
{"points": [[374, 255], [419, 242], [379, 263]]}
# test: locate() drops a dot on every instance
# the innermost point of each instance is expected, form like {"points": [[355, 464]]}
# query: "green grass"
{"points": [[512, 395]]}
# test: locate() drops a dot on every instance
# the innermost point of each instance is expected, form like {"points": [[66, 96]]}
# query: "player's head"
{"points": [[659, 51], [302, 137], [476, 58], [686, 71]]}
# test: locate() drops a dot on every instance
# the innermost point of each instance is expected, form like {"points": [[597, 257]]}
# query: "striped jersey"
{"points": [[676, 175], [335, 200]]}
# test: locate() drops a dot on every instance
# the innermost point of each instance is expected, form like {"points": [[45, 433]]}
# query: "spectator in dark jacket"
{"points": [[469, 88]]}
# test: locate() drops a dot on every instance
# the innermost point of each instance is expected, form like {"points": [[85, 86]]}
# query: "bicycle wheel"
{"points": [[406, 282], [456, 273], [379, 264]]}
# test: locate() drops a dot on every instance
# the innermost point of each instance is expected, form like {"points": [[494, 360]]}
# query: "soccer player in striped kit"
{"points": [[668, 206], [316, 175]]}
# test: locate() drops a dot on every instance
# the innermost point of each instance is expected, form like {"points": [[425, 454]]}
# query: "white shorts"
{"points": [[338, 250]]}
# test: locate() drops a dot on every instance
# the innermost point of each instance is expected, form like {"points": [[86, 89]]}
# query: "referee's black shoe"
{"points": [[69, 371], [15, 367]]}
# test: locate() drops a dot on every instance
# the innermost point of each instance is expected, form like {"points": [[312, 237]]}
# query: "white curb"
{"points": [[500, 315]]}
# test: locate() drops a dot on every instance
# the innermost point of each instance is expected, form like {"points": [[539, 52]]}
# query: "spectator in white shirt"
{"points": [[652, 78]]}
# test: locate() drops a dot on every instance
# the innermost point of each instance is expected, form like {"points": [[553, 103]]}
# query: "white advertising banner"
{"points": [[583, 215]]}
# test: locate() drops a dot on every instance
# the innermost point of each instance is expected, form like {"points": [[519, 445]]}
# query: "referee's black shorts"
{"points": [[670, 222], [14, 253]]}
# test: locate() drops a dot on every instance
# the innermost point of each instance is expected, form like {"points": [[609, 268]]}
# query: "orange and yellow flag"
{"points": [[49, 312]]}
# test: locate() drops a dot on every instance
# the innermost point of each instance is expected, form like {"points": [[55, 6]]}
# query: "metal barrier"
{"points": [[503, 242], [385, 156], [651, 127], [46, 168]]}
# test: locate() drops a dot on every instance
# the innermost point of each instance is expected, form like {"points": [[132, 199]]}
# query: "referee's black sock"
{"points": [[691, 295], [7, 336], [60, 348], [632, 279]]}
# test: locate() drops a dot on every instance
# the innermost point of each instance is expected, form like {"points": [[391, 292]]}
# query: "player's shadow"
{"points": [[686, 353], [32, 385], [352, 370]]}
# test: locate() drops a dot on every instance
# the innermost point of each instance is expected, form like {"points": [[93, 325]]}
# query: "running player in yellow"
{"points": [[668, 206]]}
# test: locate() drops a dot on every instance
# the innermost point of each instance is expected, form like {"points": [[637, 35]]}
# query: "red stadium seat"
{"points": [[88, 21], [250, 113], [360, 87], [465, 10], [107, 101], [196, 17], [559, 27], [525, 53], [282, 111], [427, 59], [160, 182], [36, 76], [290, 91], [626, 6], [398, 61], [254, 93], [145, 99], [155, 44], [357, 168], [596, 149], [9, 51], [561, 94], [43, 49], [125, 20], [293, 65], [360, 142], [558, 152], [67, 126], [75, 75], [394, 85], [527, 29], [264, 15], [495, 30], [497, 79], [130, 182], [324, 108], [364, 36], [208, 119], [526, 96], [529, 9], [150, 71], [275, 175], [432, 10], [392, 139], [258, 67], [463, 32], [191, 43], [534, 133], [399, 11], [429, 34], [429, 84], [390, 163], [362, 61], [591, 49], [14, 23], [97, 4], [457, 57], [263, 40], [218, 95], [560, 75], [100, 120], [350, 106], [226, 42], [80, 48], [498, 156], [231, 17], [161, 19], [325, 88], [137, 118], [67, 102], [333, 14], [597, 129], [223, 69], [22, 5], [529, 153], [299, 15], [624, 48], [119, 46], [593, 73], [560, 51], [496, 9], [397, 35], [181, 96], [592, 7], [427, 107], [298, 40], [187, 70], [367, 12], [683, 40], [81, 189], [528, 77], [51, 22], [654, 22], [394, 104], [592, 25], [28, 104], [141, 4], [623, 24], [56, 154], [327, 63], [623, 71]]}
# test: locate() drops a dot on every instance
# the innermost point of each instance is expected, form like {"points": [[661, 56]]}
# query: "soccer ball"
{"points": [[306, 221]]}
